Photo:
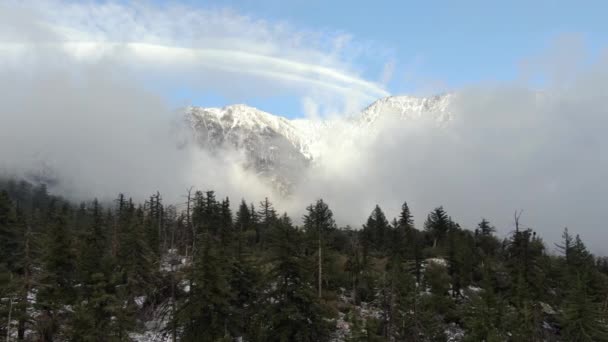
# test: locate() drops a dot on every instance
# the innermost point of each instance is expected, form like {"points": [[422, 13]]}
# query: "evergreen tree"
{"points": [[582, 314], [406, 220], [376, 231], [413, 318], [359, 268], [524, 252], [10, 247], [485, 228], [136, 261], [488, 244], [205, 314], [438, 224], [583, 318], [226, 224], [484, 313], [95, 245], [154, 223], [318, 221], [404, 233], [59, 271], [267, 217], [292, 312]]}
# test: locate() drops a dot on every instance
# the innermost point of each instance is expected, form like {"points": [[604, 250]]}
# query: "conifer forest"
{"points": [[203, 271]]}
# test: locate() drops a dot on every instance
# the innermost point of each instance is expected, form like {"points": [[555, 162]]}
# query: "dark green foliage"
{"points": [[135, 258], [292, 311], [406, 220], [243, 217], [524, 253], [583, 318], [267, 217], [59, 259], [485, 240], [101, 316], [358, 267], [484, 313], [377, 232], [9, 235], [438, 223], [206, 313], [102, 271], [225, 222], [318, 222]]}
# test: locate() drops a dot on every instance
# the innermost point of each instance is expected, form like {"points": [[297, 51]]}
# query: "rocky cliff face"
{"points": [[279, 149]]}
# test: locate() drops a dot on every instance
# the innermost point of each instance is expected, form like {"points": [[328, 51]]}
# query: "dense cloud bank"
{"points": [[98, 128]]}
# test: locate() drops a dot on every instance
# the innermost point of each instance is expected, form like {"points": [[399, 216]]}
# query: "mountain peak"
{"points": [[410, 107], [280, 149]]}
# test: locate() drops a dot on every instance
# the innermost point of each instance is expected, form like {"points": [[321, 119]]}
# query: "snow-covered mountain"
{"points": [[279, 149]]}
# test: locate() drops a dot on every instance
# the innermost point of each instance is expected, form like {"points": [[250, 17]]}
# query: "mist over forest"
{"points": [[122, 220]]}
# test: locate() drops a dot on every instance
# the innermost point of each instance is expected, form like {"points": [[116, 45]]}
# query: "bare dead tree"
{"points": [[516, 217]]}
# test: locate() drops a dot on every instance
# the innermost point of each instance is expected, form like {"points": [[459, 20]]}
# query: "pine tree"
{"points": [[582, 313], [59, 272], [243, 217], [485, 228], [204, 315], [242, 224], [267, 217], [404, 233], [357, 266], [102, 316], [406, 220], [524, 251], [136, 261], [453, 260], [155, 215], [26, 269], [413, 319], [254, 222], [10, 248], [487, 243], [438, 224], [292, 312], [245, 281], [95, 244], [319, 221], [583, 318], [376, 231], [484, 313], [226, 224]]}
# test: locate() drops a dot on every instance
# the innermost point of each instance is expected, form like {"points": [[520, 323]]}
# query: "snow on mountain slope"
{"points": [[409, 108], [273, 147], [280, 149]]}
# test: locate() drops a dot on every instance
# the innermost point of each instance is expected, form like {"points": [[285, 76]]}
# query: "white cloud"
{"points": [[507, 148], [201, 47], [388, 71], [74, 79]]}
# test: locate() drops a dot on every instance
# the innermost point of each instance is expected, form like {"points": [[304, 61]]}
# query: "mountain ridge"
{"points": [[279, 149]]}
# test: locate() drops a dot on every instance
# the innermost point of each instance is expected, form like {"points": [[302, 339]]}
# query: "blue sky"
{"points": [[435, 45], [85, 63], [425, 47]]}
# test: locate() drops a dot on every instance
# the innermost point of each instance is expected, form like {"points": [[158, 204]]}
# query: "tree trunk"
{"points": [[27, 286], [8, 324], [188, 222], [173, 308], [320, 269]]}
